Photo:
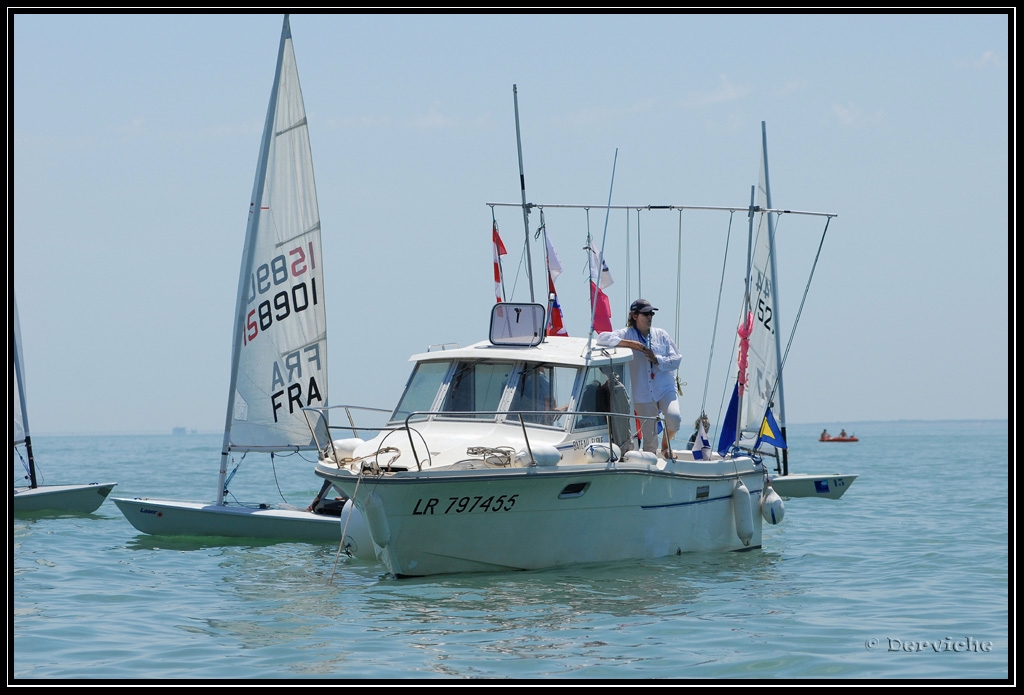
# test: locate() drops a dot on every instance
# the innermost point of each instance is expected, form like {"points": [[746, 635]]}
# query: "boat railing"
{"points": [[325, 441], [521, 415], [318, 421]]}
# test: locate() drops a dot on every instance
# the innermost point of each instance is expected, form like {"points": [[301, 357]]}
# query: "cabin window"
{"points": [[543, 387], [477, 387], [421, 391]]}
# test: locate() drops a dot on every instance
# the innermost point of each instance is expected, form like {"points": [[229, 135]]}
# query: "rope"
{"points": [[800, 311], [344, 530], [504, 454], [375, 470], [714, 330]]}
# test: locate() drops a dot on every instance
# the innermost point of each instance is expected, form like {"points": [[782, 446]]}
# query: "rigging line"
{"points": [[639, 260], [718, 308], [799, 311], [352, 509], [600, 258], [679, 274], [628, 263], [273, 468]]}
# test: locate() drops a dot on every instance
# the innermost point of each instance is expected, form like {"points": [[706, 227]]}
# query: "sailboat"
{"points": [[759, 396], [279, 344], [82, 499]]}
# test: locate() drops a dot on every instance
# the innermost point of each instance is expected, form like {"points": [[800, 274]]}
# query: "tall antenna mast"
{"points": [[522, 187]]}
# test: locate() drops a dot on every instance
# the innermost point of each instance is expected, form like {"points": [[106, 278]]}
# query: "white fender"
{"points": [[345, 448], [741, 510], [772, 508], [640, 456], [377, 520], [543, 455], [602, 453], [357, 535]]}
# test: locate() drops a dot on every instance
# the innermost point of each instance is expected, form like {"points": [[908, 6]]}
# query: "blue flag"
{"points": [[770, 432], [728, 437]]}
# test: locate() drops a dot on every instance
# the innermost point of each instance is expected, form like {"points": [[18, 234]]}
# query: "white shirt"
{"points": [[651, 382]]}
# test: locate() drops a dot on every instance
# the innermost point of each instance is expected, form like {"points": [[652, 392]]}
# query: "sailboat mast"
{"points": [[247, 258], [775, 293], [20, 379], [522, 188]]}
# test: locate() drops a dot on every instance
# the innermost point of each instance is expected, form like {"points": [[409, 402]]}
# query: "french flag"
{"points": [[499, 251], [556, 324]]}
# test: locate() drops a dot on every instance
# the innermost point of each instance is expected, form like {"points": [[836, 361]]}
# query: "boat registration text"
{"points": [[465, 505]]}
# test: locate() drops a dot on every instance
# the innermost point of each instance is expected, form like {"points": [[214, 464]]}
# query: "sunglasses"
{"points": [[648, 314]]}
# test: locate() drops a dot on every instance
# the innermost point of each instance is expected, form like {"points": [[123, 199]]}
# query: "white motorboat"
{"points": [[515, 453]]}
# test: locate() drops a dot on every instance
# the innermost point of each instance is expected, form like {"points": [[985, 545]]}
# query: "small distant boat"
{"points": [[75, 499], [841, 437]]}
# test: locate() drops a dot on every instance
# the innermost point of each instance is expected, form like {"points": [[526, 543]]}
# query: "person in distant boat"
{"points": [[824, 434], [842, 433], [696, 428], [652, 372]]}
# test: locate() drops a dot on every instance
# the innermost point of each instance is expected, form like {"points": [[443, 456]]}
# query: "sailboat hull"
{"points": [[176, 518], [806, 485], [78, 499], [425, 523]]}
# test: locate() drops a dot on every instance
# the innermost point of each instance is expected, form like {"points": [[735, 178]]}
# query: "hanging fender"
{"points": [[772, 508], [741, 510]]}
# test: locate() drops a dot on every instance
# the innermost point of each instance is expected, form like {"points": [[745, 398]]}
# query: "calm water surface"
{"points": [[905, 577]]}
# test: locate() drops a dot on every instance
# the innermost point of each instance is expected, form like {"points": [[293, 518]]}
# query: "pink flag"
{"points": [[602, 309], [499, 251], [745, 329]]}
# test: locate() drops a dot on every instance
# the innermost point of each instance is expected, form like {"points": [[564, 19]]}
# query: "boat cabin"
{"points": [[515, 389]]}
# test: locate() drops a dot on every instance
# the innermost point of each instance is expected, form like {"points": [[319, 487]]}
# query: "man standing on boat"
{"points": [[652, 372]]}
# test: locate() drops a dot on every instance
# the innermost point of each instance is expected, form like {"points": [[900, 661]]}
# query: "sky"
{"points": [[132, 146]]}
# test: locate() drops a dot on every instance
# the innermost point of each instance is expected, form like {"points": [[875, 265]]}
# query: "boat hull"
{"points": [[830, 486], [176, 518], [541, 517], [78, 499]]}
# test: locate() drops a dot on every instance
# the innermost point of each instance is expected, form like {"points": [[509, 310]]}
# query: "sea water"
{"points": [[904, 577]]}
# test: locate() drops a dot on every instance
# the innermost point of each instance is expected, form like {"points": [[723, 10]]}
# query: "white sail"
{"points": [[279, 353], [20, 413], [763, 383]]}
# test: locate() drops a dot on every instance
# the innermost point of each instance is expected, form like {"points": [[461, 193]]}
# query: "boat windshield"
{"points": [[477, 389], [544, 387], [421, 391], [477, 386]]}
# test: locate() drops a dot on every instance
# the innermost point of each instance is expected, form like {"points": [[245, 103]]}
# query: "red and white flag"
{"points": [[556, 325], [499, 251], [599, 301]]}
